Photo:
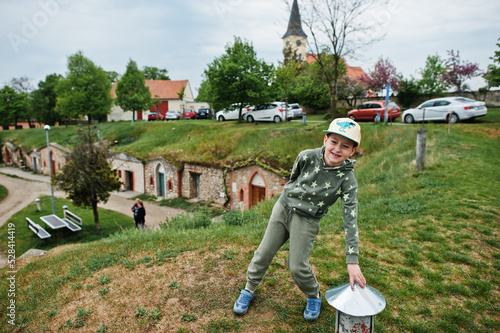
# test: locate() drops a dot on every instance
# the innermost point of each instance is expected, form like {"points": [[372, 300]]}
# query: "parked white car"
{"points": [[453, 109], [276, 111], [231, 113]]}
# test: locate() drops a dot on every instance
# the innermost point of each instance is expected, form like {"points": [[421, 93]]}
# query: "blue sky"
{"points": [[185, 36]]}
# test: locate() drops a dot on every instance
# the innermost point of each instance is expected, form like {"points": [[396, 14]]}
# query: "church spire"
{"points": [[294, 24]]}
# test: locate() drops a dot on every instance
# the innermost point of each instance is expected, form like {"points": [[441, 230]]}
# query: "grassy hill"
{"points": [[429, 242]]}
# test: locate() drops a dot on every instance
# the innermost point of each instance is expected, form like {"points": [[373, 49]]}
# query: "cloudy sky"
{"points": [[185, 36]]}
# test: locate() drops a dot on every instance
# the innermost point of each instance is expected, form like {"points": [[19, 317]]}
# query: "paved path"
{"points": [[24, 187], [27, 186]]}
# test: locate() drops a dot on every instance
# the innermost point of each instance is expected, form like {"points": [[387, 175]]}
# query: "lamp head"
{"points": [[46, 127]]}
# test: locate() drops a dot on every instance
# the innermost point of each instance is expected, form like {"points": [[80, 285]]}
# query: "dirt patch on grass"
{"points": [[177, 295]]}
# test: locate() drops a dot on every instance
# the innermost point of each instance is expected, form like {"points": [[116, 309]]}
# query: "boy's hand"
{"points": [[355, 275]]}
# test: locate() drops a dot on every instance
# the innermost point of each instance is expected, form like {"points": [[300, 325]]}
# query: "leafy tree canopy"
{"points": [[432, 82], [84, 91], [13, 106], [44, 100], [383, 73], [154, 73], [132, 94], [493, 74], [238, 77], [458, 71]]}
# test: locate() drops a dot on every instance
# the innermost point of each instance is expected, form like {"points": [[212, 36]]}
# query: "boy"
{"points": [[319, 177]]}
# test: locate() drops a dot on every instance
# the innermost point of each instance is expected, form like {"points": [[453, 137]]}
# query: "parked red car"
{"points": [[370, 109], [189, 114], [153, 116]]}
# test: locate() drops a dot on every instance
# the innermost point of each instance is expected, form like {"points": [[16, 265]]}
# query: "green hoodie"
{"points": [[314, 187]]}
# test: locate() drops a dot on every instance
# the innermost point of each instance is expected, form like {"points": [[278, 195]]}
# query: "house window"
{"points": [[241, 195], [151, 181], [119, 173], [170, 185]]}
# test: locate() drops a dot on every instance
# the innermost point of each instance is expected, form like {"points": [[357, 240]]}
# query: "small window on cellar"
{"points": [[241, 195], [170, 186], [151, 181]]}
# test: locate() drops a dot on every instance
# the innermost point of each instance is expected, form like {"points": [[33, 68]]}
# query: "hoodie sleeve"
{"points": [[350, 214]]}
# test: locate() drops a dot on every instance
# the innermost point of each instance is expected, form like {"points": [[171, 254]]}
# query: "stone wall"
{"points": [[204, 183], [130, 170], [170, 186], [58, 155]]}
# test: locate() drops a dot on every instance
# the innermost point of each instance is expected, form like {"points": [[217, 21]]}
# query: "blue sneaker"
{"points": [[313, 307], [242, 303]]}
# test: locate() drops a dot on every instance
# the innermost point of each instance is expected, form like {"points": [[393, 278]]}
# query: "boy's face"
{"points": [[337, 149]]}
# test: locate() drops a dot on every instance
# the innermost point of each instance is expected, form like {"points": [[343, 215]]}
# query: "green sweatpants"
{"points": [[302, 231]]}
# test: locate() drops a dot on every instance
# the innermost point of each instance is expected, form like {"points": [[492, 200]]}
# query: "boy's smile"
{"points": [[337, 149]]}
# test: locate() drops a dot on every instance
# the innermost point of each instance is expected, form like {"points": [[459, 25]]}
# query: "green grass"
{"points": [[110, 221], [429, 243]]}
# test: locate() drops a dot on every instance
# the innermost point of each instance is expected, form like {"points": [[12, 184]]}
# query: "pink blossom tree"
{"points": [[458, 71], [382, 74]]}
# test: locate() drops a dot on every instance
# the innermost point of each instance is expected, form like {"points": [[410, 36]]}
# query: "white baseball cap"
{"points": [[347, 128]]}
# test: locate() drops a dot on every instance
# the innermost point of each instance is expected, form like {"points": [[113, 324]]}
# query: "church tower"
{"points": [[295, 39]]}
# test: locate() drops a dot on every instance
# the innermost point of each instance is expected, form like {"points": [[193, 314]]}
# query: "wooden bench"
{"points": [[37, 229], [72, 220]]}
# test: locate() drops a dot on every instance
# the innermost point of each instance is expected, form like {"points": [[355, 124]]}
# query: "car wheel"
{"points": [[453, 119], [221, 118], [250, 119], [409, 119], [277, 119], [352, 117]]}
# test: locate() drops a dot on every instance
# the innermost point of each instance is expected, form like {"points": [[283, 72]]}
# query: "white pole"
{"points": [[47, 128]]}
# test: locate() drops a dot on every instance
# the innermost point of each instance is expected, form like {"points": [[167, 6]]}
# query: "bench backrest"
{"points": [[72, 217]]}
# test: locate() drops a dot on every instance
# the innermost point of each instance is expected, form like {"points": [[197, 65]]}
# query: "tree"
{"points": [[84, 91], [432, 83], [87, 177], [351, 89], [13, 106], [113, 76], [339, 27], [382, 74], [23, 88], [132, 94], [284, 76], [493, 74], [154, 73], [457, 72], [238, 77], [409, 92], [44, 100]]}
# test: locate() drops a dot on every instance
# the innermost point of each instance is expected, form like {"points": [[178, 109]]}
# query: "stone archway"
{"points": [[257, 189], [160, 180]]}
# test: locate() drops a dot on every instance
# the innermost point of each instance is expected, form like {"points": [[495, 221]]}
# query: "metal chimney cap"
{"points": [[361, 302]]}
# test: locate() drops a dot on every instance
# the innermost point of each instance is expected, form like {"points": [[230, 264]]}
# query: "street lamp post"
{"points": [[47, 128]]}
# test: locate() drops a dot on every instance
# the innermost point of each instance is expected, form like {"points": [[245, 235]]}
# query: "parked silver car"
{"points": [[452, 109], [173, 115], [296, 110]]}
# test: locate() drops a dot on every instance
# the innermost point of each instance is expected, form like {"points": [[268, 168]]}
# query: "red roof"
{"points": [[351, 72], [162, 89]]}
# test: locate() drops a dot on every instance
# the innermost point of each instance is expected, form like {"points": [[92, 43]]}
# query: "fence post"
{"points": [[421, 137]]}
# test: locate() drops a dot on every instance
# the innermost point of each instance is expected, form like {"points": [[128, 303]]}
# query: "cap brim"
{"points": [[331, 132]]}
